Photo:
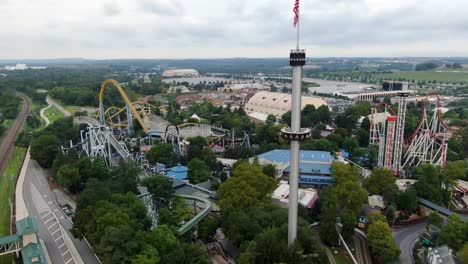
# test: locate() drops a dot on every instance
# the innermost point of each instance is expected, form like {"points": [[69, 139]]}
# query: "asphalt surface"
{"points": [[405, 237], [8, 139], [50, 101], [42, 204]]}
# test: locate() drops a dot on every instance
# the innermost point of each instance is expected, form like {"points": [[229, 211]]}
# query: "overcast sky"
{"points": [[106, 29]]}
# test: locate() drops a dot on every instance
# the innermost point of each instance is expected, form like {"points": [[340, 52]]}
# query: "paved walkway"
{"points": [[43, 116]]}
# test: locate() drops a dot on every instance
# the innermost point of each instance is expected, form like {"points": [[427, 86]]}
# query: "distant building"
{"points": [[277, 104], [314, 166], [180, 73], [440, 255], [242, 88], [180, 88], [394, 86]]}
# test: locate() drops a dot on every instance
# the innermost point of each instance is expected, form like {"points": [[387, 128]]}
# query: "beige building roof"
{"points": [[277, 103]]}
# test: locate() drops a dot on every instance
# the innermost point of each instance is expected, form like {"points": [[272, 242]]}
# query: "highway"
{"points": [[8, 139], [52, 221], [405, 238]]}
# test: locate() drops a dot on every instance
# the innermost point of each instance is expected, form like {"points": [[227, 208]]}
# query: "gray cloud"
{"points": [[213, 28]]}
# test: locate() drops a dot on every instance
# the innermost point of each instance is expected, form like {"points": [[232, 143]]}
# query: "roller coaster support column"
{"points": [[391, 120], [102, 119], [129, 119], [295, 134], [400, 132]]}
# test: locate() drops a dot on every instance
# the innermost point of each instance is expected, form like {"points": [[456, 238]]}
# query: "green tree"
{"points": [[379, 180], [351, 195], [162, 153], [44, 149], [349, 221], [343, 172], [248, 187], [196, 146], [463, 254], [407, 201], [198, 171], [381, 242], [454, 233], [69, 177], [429, 185], [434, 219], [269, 170], [160, 188], [125, 176]]}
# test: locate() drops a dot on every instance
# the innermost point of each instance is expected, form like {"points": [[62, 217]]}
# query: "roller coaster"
{"points": [[121, 118], [427, 144]]}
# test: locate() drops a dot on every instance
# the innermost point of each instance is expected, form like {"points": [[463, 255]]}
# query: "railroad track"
{"points": [[6, 145]]}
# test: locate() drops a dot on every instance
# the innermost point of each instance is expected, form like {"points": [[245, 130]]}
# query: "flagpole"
{"points": [[298, 24]]}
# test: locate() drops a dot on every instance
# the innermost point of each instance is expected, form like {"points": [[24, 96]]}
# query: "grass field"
{"points": [[443, 77], [342, 256], [7, 184], [53, 114]]}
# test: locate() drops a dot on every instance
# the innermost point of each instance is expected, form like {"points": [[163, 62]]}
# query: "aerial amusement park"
{"points": [[113, 125], [426, 144]]}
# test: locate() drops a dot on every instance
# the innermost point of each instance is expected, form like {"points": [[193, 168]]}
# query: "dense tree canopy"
{"points": [[248, 187], [381, 242]]}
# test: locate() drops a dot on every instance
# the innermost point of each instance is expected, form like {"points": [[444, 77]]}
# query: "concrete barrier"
{"points": [[20, 205]]}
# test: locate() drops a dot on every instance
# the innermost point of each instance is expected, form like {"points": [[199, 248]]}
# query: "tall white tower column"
{"points": [[295, 134]]}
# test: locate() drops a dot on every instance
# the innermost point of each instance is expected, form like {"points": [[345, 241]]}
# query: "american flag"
{"points": [[296, 12]]}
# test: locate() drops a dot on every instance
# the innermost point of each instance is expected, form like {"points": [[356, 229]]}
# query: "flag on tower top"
{"points": [[296, 12]]}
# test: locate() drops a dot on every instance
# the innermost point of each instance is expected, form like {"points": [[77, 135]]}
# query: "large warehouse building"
{"points": [[180, 73], [270, 103]]}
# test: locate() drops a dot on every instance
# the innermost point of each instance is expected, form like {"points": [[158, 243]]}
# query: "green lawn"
{"points": [[342, 256], [444, 77], [7, 184], [53, 114]]}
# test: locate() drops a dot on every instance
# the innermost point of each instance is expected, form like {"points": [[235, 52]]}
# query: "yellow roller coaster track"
{"points": [[124, 96]]}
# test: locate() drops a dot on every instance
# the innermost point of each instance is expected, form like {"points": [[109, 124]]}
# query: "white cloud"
{"points": [[230, 28]]}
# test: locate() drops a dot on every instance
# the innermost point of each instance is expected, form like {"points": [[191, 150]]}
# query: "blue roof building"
{"points": [[178, 172], [314, 166]]}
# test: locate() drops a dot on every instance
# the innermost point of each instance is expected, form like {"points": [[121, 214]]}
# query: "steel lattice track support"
{"points": [[400, 131], [380, 160], [11, 247], [374, 135], [390, 140], [429, 144]]}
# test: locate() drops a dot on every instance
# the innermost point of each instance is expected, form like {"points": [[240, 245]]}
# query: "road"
{"points": [[405, 238], [51, 101], [53, 224], [8, 139]]}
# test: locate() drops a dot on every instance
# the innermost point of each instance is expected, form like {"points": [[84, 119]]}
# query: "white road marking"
{"points": [[48, 220], [58, 229], [52, 225]]}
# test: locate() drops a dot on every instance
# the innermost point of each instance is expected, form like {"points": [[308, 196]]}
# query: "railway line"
{"points": [[8, 140]]}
